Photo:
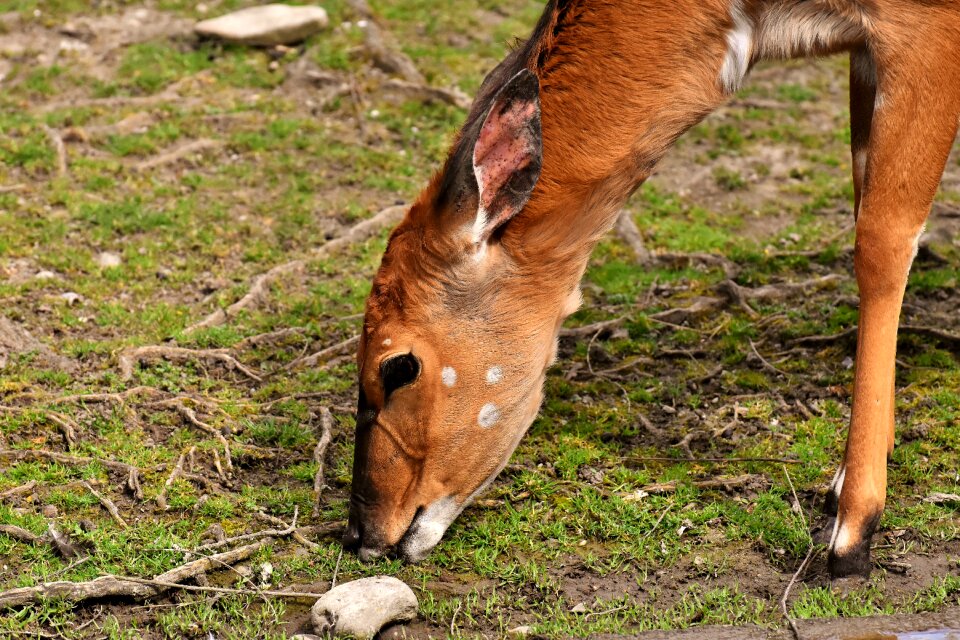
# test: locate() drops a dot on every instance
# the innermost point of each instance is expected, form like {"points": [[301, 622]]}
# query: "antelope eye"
{"points": [[398, 371]]}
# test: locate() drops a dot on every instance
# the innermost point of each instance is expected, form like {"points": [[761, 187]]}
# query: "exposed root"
{"points": [[175, 473], [60, 149], [190, 416], [16, 491], [425, 93], [591, 329], [713, 483], [108, 504], [952, 340], [63, 458], [67, 426], [326, 423], [18, 533], [268, 338], [324, 354], [177, 154], [129, 357], [260, 286], [626, 229], [139, 588]]}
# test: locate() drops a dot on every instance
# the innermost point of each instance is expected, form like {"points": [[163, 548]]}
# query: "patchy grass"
{"points": [[571, 540]]}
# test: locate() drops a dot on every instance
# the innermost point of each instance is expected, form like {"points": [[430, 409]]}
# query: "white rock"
{"points": [[45, 275], [71, 297], [522, 630], [267, 25], [362, 607], [107, 260]]}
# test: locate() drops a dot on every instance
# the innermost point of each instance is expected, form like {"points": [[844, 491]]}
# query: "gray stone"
{"points": [[108, 259], [362, 607], [266, 25]]}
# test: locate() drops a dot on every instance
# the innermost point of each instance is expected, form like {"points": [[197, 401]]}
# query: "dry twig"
{"points": [[176, 154], [59, 149]]}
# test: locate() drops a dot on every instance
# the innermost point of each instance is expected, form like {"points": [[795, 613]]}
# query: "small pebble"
{"points": [[49, 511]]}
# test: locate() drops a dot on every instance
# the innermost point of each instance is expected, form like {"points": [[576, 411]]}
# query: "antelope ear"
{"points": [[508, 154]]}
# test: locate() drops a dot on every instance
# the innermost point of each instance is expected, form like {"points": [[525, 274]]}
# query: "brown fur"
{"points": [[619, 82]]}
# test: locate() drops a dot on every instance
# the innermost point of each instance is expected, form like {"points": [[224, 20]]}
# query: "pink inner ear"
{"points": [[503, 147]]}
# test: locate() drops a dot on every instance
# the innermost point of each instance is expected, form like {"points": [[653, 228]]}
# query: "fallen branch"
{"points": [[129, 357], [178, 153], [260, 285], [324, 354], [119, 586], [268, 338], [326, 423]]}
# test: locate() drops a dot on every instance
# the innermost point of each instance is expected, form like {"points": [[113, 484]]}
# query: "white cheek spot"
{"points": [[736, 63], [489, 415], [494, 374], [387, 342], [449, 376]]}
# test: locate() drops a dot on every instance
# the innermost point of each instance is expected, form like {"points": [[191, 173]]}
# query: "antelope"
{"points": [[464, 313]]}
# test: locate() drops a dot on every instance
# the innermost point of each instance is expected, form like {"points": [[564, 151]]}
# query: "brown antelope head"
{"points": [[457, 335]]}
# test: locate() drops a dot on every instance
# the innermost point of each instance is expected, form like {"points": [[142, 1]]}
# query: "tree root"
{"points": [[129, 357], [260, 285], [178, 153], [326, 435], [323, 355], [120, 586]]}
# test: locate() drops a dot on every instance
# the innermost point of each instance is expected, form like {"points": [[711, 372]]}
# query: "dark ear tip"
{"points": [[525, 85]]}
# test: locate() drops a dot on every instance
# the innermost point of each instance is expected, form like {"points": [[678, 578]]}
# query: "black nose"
{"points": [[352, 536]]}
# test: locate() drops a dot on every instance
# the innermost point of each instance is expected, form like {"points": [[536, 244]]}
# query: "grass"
{"points": [[561, 542]]}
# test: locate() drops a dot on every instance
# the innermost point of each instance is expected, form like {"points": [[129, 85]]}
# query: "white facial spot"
{"points": [[739, 50], [494, 374], [387, 342], [449, 376], [489, 415]]}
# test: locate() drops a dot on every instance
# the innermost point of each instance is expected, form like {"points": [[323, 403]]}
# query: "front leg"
{"points": [[912, 129]]}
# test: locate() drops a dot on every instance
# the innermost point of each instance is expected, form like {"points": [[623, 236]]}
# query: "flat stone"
{"points": [[107, 260], [361, 608], [267, 25]]}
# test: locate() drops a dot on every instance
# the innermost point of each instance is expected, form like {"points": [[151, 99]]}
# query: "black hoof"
{"points": [[854, 562]]}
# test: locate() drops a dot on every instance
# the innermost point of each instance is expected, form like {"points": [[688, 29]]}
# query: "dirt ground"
{"points": [[150, 181]]}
